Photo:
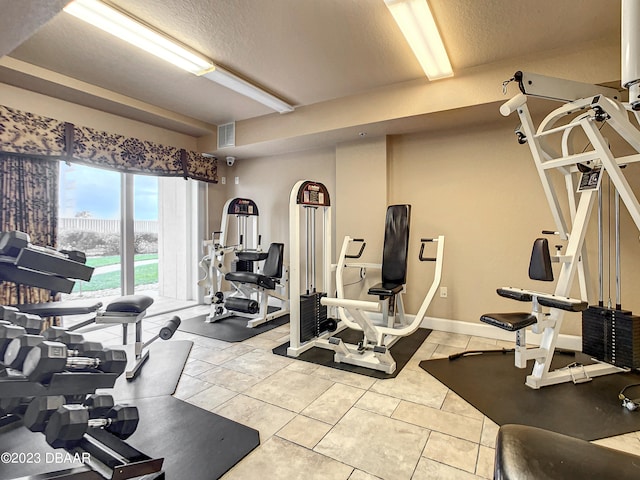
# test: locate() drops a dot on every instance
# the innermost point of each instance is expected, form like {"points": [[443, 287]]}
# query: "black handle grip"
{"points": [[359, 254], [420, 255], [550, 232]]}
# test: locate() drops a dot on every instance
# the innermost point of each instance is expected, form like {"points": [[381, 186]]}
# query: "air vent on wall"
{"points": [[227, 135]]}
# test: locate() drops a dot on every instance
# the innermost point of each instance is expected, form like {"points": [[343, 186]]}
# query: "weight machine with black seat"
{"points": [[379, 335], [24, 263], [315, 325], [252, 286], [586, 109]]}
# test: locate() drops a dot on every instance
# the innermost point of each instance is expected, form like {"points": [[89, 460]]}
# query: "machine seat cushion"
{"points": [[530, 452], [130, 304], [253, 278], [385, 289], [509, 321]]}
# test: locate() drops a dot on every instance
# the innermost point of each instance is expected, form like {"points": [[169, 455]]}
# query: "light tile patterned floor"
{"points": [[320, 423]]}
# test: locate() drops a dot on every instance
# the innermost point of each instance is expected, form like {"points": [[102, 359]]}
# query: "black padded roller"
{"points": [[169, 328], [245, 305]]}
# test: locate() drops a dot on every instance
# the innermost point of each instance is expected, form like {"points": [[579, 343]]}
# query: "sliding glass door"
{"points": [[141, 233], [113, 218]]}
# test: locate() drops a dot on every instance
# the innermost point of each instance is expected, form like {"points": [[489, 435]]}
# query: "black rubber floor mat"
{"points": [[232, 329], [159, 375], [493, 385], [402, 351], [195, 444]]}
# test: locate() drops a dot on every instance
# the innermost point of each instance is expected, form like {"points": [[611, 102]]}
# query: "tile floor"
{"points": [[320, 423]]}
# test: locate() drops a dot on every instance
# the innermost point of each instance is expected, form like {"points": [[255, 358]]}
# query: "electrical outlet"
{"points": [[237, 179], [223, 180], [443, 292]]}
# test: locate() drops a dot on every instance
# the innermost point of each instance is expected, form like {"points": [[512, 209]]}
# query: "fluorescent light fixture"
{"points": [[237, 84], [126, 28], [142, 36], [419, 28]]}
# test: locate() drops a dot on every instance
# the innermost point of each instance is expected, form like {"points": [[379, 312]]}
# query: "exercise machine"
{"points": [[28, 264], [552, 148], [380, 334], [252, 287], [316, 316]]}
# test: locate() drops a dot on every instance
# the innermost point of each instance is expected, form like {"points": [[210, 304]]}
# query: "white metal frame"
{"points": [[216, 267], [378, 338], [296, 346], [585, 115]]}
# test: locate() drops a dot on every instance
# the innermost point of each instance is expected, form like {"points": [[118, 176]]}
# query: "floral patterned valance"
{"points": [[37, 136]]}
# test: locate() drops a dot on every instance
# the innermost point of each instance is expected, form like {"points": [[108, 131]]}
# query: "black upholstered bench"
{"points": [[524, 452]]}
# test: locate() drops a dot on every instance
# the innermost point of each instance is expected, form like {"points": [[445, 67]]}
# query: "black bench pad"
{"points": [[509, 321], [520, 295], [563, 303], [130, 304], [530, 452], [385, 289]]}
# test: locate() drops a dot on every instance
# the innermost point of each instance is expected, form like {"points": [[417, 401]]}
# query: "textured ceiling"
{"points": [[305, 51]]}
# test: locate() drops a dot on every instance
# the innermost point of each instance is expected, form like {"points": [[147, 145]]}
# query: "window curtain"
{"points": [[25, 133], [28, 203]]}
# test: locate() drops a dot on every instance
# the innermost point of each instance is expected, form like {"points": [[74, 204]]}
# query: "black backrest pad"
{"points": [[396, 244], [540, 264], [273, 264]]}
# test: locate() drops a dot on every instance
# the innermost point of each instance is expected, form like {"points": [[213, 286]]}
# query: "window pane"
{"points": [[89, 221], [145, 203]]}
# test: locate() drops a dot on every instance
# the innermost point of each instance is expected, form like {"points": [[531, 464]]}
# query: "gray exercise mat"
{"points": [[159, 375]]}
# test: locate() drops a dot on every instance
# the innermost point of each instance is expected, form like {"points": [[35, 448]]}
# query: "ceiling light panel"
{"points": [[126, 28], [419, 29]]}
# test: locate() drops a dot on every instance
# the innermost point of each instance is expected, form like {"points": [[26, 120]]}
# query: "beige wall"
{"points": [[479, 188], [361, 194], [268, 182]]}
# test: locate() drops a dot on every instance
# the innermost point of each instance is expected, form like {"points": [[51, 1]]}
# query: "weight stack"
{"points": [[611, 336], [313, 315]]}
